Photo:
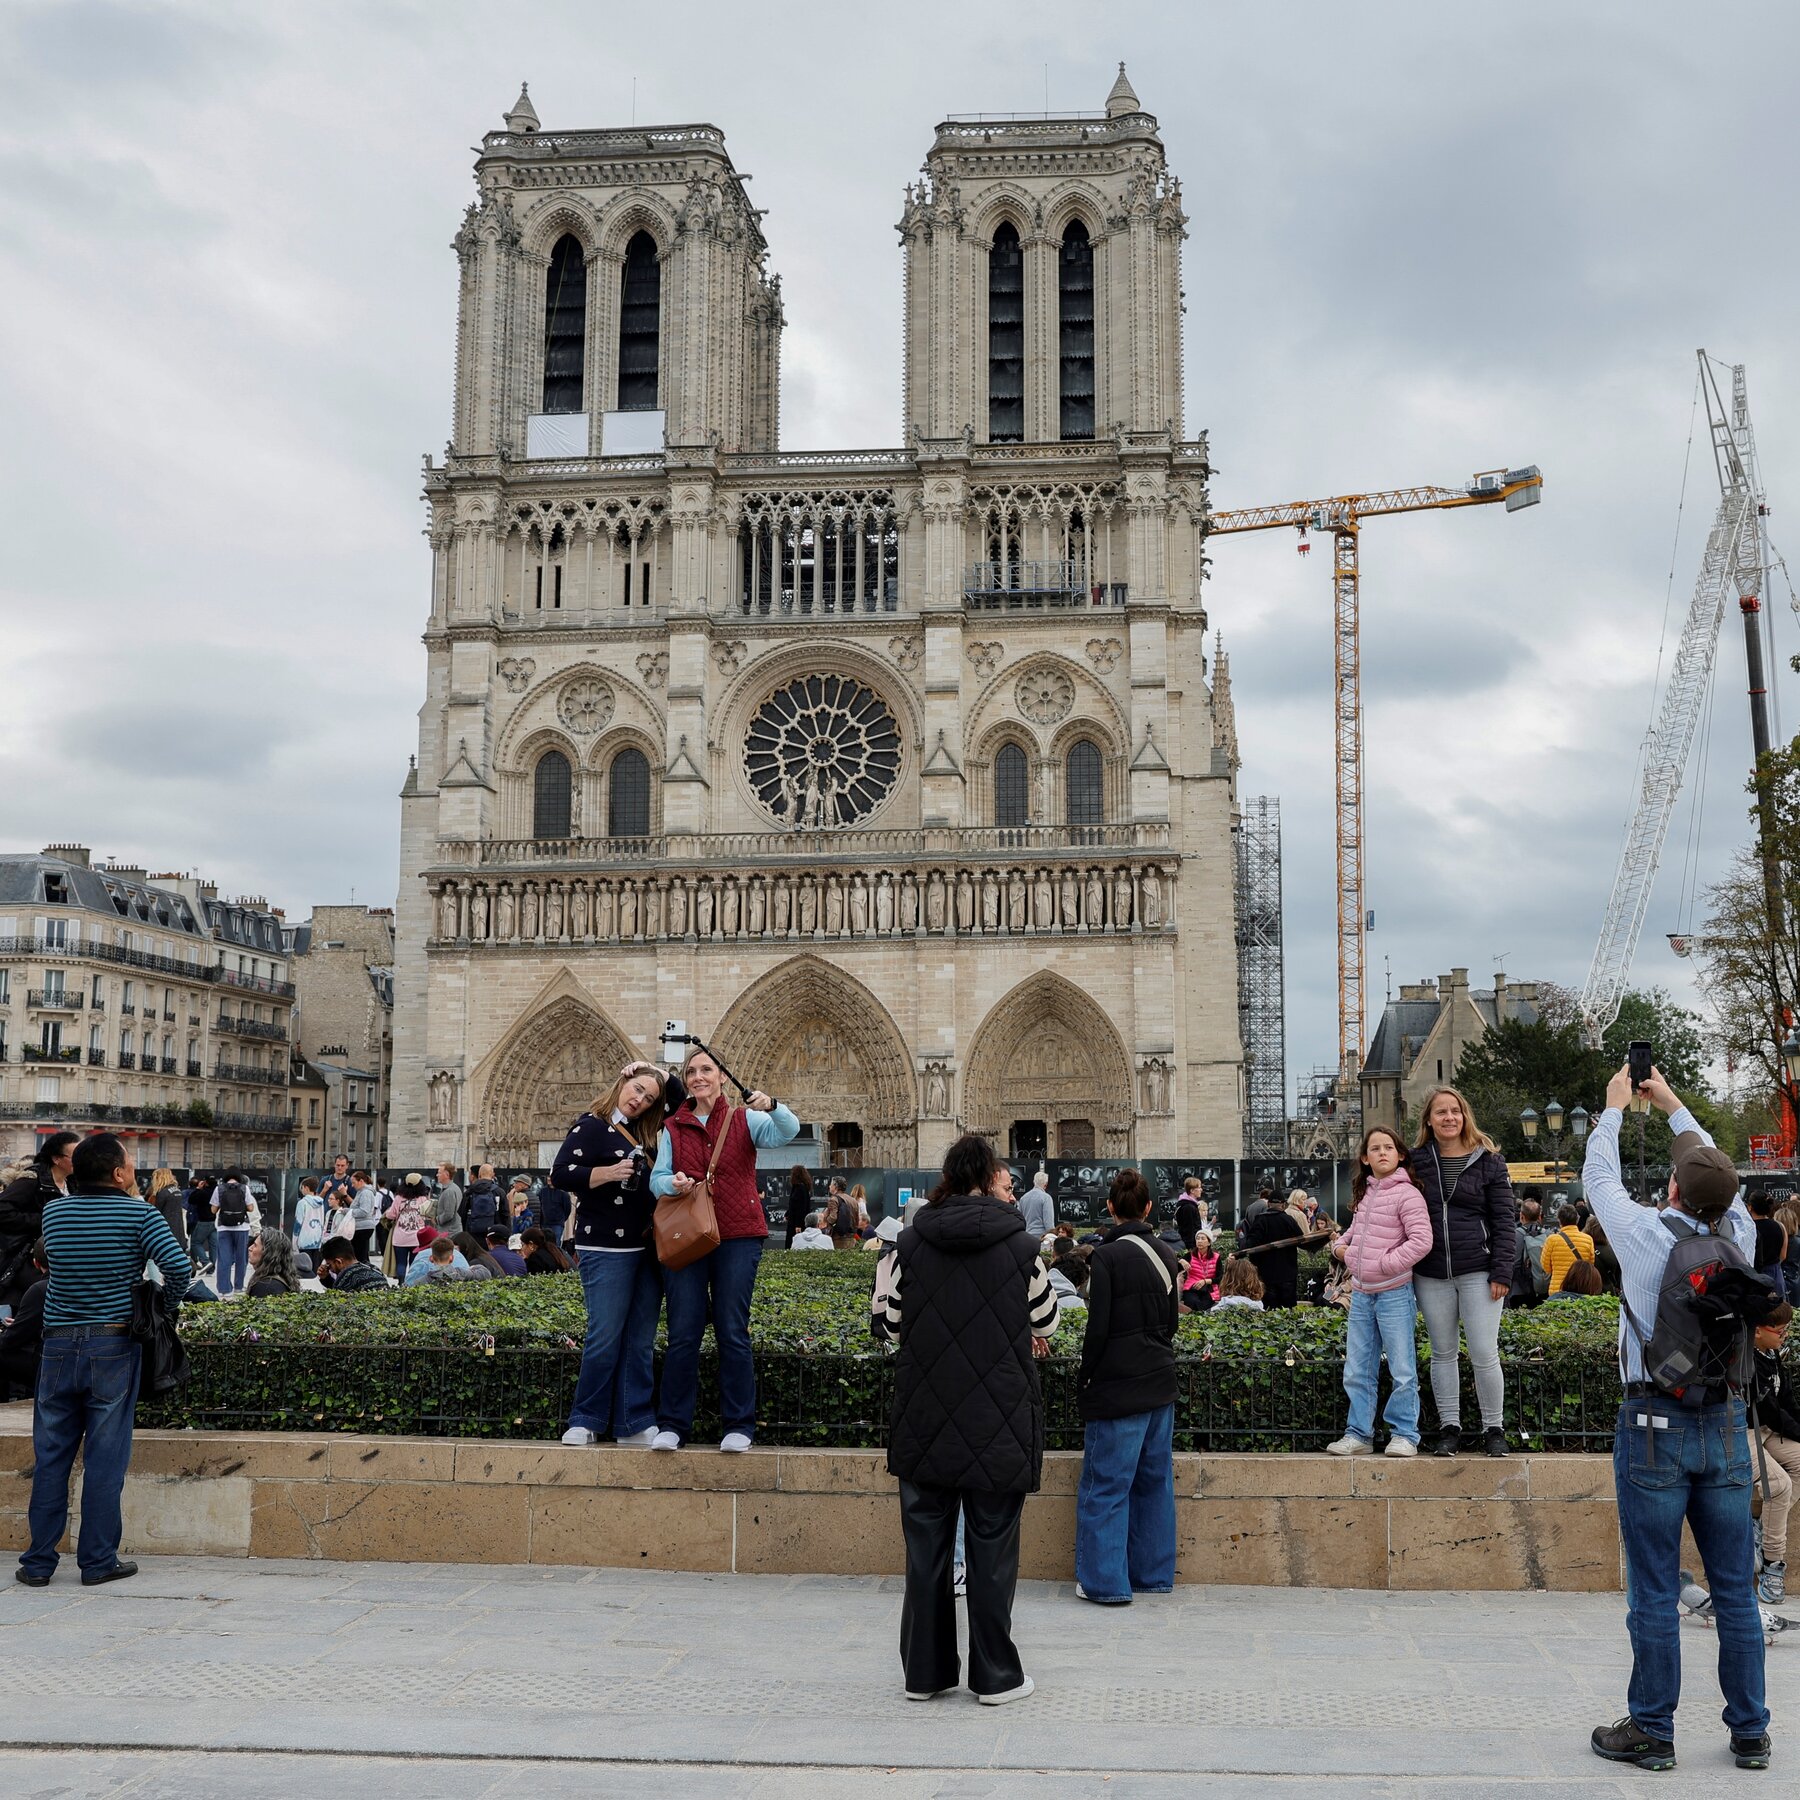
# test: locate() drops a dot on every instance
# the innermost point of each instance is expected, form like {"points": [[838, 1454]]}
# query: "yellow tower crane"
{"points": [[1342, 516]]}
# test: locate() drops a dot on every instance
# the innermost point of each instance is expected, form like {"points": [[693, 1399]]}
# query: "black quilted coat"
{"points": [[968, 1411]]}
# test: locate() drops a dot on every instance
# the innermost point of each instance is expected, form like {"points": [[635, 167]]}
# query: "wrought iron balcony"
{"points": [[253, 1028], [169, 1065], [39, 1053], [195, 1071], [55, 999], [257, 984], [127, 1059], [246, 1072], [127, 1009], [96, 1059], [271, 1123]]}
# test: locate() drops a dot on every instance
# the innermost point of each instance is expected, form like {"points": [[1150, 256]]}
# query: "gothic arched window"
{"points": [[640, 325], [565, 327], [1006, 338], [1085, 786], [1075, 331], [1012, 788], [551, 793], [628, 796]]}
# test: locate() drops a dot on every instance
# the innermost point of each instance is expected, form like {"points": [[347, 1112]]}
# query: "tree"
{"points": [[1519, 1065]]}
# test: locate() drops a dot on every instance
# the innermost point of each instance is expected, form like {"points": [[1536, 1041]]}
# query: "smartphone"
{"points": [[1637, 1058]]}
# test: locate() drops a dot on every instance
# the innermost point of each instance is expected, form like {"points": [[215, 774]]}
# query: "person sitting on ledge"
{"points": [[341, 1273], [815, 1236], [440, 1264], [1581, 1281], [1240, 1286], [481, 1265]]}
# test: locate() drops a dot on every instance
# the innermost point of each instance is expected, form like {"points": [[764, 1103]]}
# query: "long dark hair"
{"points": [[799, 1186], [538, 1240], [969, 1168], [1360, 1183]]}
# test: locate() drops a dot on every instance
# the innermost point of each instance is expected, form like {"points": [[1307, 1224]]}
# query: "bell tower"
{"points": [[1043, 279]]}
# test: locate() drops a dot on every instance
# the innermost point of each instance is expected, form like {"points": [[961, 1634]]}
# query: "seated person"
{"points": [[1240, 1286], [440, 1265], [1068, 1281], [500, 1252], [481, 1265], [1581, 1281], [815, 1236], [343, 1274], [543, 1256]]}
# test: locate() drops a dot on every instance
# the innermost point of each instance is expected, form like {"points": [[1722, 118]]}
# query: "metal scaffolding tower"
{"points": [[1261, 989]]}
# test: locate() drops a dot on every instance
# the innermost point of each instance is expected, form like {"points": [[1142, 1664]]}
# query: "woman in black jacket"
{"points": [[605, 1163], [972, 1308], [1467, 1274], [22, 1204], [799, 1201], [1125, 1506]]}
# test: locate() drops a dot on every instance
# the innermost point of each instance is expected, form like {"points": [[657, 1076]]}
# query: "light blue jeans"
{"points": [[1466, 1300], [1382, 1324]]}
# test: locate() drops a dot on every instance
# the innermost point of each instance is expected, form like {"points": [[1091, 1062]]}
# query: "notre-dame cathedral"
{"points": [[901, 775]]}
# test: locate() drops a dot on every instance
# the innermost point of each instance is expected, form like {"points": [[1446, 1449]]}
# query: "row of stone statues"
{"points": [[989, 902]]}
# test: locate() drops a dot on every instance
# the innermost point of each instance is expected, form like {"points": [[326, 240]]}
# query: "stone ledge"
{"points": [[1543, 1522]]}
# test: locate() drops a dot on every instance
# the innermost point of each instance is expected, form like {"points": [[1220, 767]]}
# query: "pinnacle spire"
{"points": [[523, 117], [1122, 98]]}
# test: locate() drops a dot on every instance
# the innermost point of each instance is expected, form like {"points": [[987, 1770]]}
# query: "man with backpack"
{"points": [[1690, 1303]]}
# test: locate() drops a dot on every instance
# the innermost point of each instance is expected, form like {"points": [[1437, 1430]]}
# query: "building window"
{"points": [[640, 325], [312, 1111], [312, 1152], [628, 796], [1086, 795], [1006, 338], [1012, 788], [565, 327], [1075, 331], [551, 794]]}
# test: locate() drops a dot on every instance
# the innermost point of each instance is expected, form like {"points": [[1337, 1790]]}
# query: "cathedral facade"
{"points": [[900, 775]]}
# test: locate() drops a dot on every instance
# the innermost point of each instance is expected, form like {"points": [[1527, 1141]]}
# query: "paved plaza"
{"points": [[208, 1676]]}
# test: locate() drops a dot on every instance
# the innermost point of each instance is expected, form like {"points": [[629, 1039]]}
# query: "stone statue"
{"points": [[443, 1100], [528, 912], [628, 909], [756, 908], [859, 906], [783, 907], [934, 902], [965, 902], [1151, 895], [478, 914], [578, 911], [553, 912], [703, 909], [834, 907], [1070, 901], [1043, 901], [448, 911], [605, 911], [1121, 908], [990, 902], [730, 910], [884, 904], [809, 905], [1015, 902], [505, 915], [653, 898], [909, 902], [678, 908], [1094, 901], [937, 1091]]}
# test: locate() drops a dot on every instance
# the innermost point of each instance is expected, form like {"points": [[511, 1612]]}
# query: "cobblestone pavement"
{"points": [[206, 1676]]}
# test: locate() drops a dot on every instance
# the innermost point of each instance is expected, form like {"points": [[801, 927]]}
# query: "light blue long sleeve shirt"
{"points": [[768, 1130], [1639, 1238]]}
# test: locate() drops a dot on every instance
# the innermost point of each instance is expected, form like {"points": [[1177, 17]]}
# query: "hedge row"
{"points": [[499, 1359]]}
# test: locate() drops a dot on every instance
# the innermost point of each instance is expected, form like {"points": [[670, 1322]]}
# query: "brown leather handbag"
{"points": [[686, 1226]]}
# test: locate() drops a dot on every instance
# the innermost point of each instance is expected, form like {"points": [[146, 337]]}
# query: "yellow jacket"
{"points": [[1558, 1259]]}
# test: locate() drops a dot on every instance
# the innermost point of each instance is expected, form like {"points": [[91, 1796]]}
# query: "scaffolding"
{"points": [[1261, 987]]}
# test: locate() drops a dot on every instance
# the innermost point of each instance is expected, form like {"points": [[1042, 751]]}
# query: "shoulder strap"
{"points": [[1570, 1242], [719, 1145], [1162, 1268]]}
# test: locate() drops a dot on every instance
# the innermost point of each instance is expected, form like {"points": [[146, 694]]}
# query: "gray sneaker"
{"points": [[1773, 1585]]}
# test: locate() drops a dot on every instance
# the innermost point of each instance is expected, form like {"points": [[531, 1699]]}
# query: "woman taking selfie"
{"points": [[1464, 1278], [705, 1123], [605, 1164]]}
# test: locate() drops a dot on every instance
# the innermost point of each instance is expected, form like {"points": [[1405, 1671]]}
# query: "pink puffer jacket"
{"points": [[1390, 1232]]}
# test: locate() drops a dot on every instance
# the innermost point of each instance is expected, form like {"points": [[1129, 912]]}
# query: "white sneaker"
{"points": [[1401, 1447], [735, 1442], [578, 1437], [928, 1693], [666, 1440], [639, 1440], [1021, 1692], [1349, 1446]]}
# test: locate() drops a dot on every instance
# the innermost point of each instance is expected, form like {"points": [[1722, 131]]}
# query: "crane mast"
{"points": [[1732, 564]]}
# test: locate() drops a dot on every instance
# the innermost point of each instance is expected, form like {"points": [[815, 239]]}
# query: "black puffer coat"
{"points": [[1474, 1227], [968, 1410], [22, 1205]]}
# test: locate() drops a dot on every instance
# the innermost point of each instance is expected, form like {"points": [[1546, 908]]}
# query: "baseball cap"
{"points": [[1705, 1176]]}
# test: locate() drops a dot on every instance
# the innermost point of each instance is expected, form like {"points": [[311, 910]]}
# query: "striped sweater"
{"points": [[98, 1245]]}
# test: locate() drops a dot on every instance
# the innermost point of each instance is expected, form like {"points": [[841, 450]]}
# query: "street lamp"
{"points": [[1790, 1053], [1528, 1123], [1553, 1120]]}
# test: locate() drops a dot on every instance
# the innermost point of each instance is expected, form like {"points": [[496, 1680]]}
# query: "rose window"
{"points": [[823, 751]]}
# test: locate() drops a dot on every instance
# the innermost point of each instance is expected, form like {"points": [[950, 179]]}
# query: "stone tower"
{"points": [[894, 772]]}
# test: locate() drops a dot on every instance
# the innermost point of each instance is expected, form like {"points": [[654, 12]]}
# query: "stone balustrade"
{"points": [[1068, 897]]}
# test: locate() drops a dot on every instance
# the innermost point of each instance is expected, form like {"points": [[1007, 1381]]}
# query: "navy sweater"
{"points": [[616, 1215]]}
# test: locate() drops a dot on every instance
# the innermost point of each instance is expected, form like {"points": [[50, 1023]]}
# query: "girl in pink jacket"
{"points": [[1389, 1232]]}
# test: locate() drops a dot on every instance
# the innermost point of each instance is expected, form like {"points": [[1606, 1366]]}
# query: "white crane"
{"points": [[1734, 562]]}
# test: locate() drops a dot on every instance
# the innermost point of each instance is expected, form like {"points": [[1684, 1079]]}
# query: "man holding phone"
{"points": [[1677, 1455]]}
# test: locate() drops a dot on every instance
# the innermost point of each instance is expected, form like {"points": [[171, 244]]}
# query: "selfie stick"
{"points": [[683, 1037]]}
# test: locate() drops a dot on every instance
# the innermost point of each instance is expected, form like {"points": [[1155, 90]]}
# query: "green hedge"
{"points": [[499, 1359]]}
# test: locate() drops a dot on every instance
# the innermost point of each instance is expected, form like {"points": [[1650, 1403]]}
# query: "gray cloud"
{"points": [[1424, 241]]}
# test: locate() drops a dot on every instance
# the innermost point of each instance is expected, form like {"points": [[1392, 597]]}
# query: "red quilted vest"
{"points": [[735, 1201]]}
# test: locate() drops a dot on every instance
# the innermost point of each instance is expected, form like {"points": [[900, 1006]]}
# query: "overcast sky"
{"points": [[1424, 241]]}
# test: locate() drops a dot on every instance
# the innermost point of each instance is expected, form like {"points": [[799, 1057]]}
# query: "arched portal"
{"points": [[545, 1076], [818, 1040], [1048, 1057]]}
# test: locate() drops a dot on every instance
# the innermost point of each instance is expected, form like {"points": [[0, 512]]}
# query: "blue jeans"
{"points": [[1125, 1506], [623, 1291], [1382, 1324], [202, 1235], [728, 1276], [1673, 1462], [86, 1393], [233, 1258]]}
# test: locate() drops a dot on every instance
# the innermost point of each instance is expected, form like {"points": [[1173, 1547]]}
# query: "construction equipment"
{"points": [[1342, 516], [1735, 559]]}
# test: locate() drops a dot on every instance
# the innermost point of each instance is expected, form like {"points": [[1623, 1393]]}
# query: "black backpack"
{"points": [[234, 1203], [1709, 1303]]}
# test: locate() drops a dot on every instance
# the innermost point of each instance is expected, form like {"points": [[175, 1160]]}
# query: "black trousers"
{"points": [[361, 1241], [928, 1618]]}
